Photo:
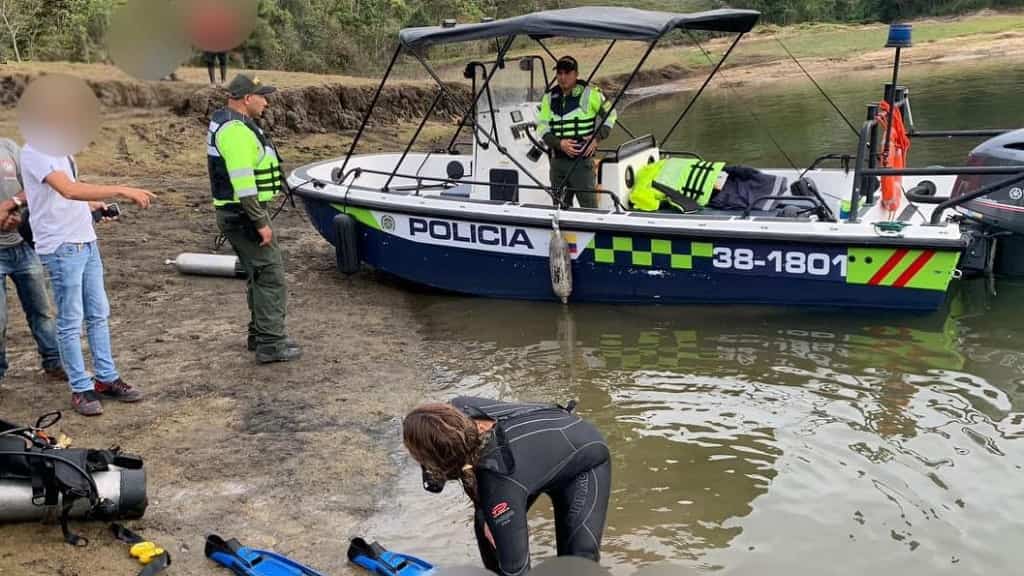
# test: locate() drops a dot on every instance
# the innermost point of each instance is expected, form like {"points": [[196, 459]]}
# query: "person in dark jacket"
{"points": [[506, 455]]}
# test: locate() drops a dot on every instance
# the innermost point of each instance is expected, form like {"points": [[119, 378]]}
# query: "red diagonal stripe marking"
{"points": [[915, 267], [891, 263]]}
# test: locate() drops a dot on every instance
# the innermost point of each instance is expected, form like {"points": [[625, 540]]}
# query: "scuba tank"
{"points": [[39, 479], [208, 265]]}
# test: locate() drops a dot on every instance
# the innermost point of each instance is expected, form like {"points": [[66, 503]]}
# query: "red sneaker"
{"points": [[118, 390], [86, 403]]}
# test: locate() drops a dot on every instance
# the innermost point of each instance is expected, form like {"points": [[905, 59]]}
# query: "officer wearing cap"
{"points": [[570, 114], [245, 177]]}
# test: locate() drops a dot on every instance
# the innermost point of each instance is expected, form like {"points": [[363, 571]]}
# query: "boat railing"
{"points": [[866, 167], [444, 183]]}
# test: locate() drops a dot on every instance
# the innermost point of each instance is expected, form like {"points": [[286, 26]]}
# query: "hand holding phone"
{"points": [[109, 212]]}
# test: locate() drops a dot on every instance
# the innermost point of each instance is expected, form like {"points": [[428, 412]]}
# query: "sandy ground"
{"points": [[291, 457]]}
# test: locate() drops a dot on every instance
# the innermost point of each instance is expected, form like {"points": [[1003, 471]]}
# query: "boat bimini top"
{"points": [[598, 22]]}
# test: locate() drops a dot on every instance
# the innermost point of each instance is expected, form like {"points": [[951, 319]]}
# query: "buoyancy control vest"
{"points": [[53, 477]]}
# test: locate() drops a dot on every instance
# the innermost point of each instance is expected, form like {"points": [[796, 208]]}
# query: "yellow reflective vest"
{"points": [[241, 160], [574, 116]]}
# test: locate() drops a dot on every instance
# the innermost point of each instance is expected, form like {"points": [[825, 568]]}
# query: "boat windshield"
{"points": [[521, 80]]}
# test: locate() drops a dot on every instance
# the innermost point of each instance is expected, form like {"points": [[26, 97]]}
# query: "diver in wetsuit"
{"points": [[506, 455]]}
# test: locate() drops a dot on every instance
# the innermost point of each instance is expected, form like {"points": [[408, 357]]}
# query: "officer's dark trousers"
{"points": [[264, 269], [581, 178]]}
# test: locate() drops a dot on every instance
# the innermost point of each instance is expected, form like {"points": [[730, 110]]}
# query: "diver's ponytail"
{"points": [[468, 477]]}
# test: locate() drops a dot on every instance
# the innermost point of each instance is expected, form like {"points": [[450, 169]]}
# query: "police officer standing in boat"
{"points": [[571, 113], [245, 177]]}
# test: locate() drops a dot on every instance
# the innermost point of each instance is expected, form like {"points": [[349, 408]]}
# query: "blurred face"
{"points": [[255, 105], [58, 115], [566, 80]]}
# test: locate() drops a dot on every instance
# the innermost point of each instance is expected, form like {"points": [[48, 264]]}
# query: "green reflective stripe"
{"points": [[362, 215], [682, 261], [660, 254], [702, 249], [936, 273], [242, 173], [643, 259], [921, 268], [864, 263]]}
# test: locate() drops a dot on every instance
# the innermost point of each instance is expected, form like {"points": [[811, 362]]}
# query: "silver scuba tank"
{"points": [[560, 262], [123, 490], [208, 265]]}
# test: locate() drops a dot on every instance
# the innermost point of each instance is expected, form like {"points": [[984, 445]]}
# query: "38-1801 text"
{"points": [[780, 261]]}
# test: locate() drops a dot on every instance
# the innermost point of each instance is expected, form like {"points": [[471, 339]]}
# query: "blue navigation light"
{"points": [[900, 36]]}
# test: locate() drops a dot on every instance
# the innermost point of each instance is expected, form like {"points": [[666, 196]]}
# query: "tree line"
{"points": [[358, 35], [794, 11]]}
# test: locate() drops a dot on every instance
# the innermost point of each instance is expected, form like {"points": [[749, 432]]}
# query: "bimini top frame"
{"points": [[594, 22]]}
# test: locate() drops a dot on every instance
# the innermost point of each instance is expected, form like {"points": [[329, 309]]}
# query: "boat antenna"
{"points": [[757, 119], [818, 86], [899, 38]]}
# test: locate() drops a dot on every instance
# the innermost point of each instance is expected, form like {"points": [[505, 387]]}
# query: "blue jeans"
{"points": [[21, 264], [76, 274]]}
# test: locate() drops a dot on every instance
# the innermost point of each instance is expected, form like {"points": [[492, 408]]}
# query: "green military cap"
{"points": [[244, 85]]}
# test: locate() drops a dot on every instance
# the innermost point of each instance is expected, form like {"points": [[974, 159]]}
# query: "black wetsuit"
{"points": [[538, 449]]}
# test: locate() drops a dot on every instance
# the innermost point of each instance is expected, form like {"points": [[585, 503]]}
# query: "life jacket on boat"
{"points": [[241, 160], [899, 147], [680, 182]]}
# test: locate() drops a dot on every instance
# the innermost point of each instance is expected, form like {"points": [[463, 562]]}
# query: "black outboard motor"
{"points": [[998, 218]]}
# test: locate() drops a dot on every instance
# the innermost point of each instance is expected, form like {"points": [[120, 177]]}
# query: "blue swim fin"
{"points": [[382, 562], [252, 562]]}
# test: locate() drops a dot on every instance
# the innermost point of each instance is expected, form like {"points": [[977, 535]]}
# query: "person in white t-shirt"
{"points": [[60, 214]]}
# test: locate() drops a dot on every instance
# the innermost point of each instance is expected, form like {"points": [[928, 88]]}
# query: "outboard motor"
{"points": [[998, 217]]}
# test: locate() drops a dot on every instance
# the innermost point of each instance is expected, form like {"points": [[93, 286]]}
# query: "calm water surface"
{"points": [[768, 440]]}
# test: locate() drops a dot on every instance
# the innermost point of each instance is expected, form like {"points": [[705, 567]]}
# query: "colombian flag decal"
{"points": [[570, 239]]}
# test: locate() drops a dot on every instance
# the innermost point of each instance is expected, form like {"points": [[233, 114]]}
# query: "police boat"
{"points": [[483, 221]]}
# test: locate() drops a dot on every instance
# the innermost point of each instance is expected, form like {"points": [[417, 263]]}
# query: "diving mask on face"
{"points": [[431, 482], [435, 482]]}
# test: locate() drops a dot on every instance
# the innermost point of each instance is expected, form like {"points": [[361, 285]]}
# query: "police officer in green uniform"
{"points": [[569, 114], [245, 177]]}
